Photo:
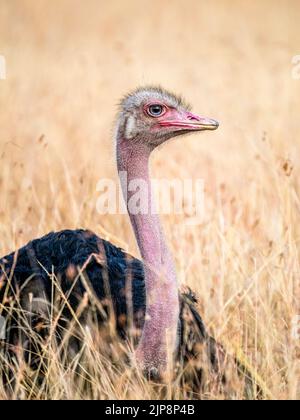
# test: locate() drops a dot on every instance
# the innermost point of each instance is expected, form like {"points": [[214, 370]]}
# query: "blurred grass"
{"points": [[67, 65]]}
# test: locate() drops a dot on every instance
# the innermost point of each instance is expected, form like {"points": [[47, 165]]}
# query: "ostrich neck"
{"points": [[158, 340]]}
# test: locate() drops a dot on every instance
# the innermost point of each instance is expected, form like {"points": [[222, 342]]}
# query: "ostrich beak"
{"points": [[189, 121]]}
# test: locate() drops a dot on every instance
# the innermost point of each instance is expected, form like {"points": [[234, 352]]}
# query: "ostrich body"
{"points": [[147, 118]]}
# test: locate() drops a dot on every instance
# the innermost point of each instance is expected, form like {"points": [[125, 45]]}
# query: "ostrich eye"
{"points": [[155, 110]]}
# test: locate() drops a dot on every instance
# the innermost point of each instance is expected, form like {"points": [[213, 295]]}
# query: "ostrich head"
{"points": [[148, 117], [152, 115]]}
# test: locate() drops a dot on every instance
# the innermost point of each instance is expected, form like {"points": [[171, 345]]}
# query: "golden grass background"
{"points": [[68, 63]]}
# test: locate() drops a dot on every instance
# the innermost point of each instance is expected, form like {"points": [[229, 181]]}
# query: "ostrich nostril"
{"points": [[192, 117]]}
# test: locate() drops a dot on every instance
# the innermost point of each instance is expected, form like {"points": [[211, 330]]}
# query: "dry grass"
{"points": [[67, 64]]}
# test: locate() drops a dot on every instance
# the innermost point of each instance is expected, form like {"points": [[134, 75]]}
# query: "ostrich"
{"points": [[147, 118]]}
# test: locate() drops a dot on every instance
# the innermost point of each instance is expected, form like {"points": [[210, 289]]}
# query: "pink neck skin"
{"points": [[156, 348]]}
